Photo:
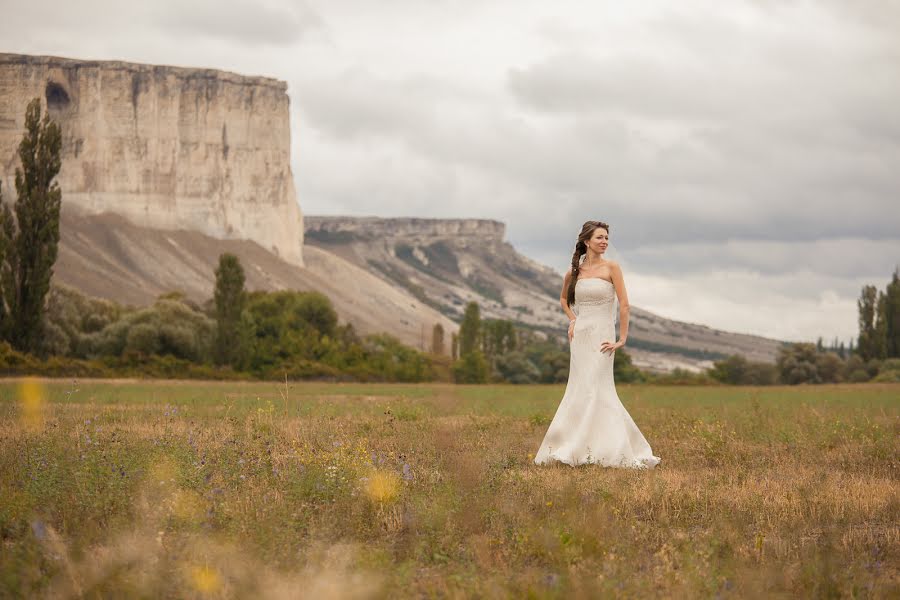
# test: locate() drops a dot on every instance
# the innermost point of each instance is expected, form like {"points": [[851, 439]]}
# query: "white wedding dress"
{"points": [[591, 425]]}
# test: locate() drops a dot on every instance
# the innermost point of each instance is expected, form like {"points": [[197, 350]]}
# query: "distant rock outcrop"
{"points": [[165, 147], [446, 263]]}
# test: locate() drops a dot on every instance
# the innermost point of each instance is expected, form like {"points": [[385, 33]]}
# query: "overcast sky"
{"points": [[745, 154]]}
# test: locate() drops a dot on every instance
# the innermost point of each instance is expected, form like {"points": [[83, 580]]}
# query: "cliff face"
{"points": [[165, 147], [485, 230]]}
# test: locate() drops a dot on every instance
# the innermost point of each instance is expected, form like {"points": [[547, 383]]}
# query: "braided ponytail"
{"points": [[587, 231]]}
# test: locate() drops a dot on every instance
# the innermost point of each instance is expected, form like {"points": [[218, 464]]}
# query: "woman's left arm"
{"points": [[619, 282]]}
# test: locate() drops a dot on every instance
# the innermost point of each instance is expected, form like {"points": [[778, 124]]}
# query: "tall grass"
{"points": [[172, 489]]}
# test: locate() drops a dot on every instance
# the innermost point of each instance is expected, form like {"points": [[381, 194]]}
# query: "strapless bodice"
{"points": [[593, 291]]}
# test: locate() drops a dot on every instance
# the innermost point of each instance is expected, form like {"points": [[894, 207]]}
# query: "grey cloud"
{"points": [[245, 22]]}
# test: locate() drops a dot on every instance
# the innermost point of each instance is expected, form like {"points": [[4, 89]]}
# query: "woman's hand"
{"points": [[611, 346], [571, 329]]}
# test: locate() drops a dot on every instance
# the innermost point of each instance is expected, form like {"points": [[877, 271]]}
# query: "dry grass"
{"points": [[254, 490]]}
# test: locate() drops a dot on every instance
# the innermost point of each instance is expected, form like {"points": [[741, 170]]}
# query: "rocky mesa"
{"points": [[165, 147]]}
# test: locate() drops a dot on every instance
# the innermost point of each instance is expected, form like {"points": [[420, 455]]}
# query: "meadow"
{"points": [[201, 489]]}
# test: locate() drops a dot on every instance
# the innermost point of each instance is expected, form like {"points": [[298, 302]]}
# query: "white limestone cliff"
{"points": [[165, 147]]}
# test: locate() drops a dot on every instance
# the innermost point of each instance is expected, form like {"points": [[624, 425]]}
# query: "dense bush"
{"points": [[515, 367], [623, 370], [737, 370], [471, 368], [889, 371], [169, 327]]}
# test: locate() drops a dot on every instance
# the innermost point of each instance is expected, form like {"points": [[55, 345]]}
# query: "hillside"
{"points": [[396, 275], [108, 256], [446, 263]]}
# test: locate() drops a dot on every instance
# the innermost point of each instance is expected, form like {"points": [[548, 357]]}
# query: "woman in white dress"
{"points": [[591, 426]]}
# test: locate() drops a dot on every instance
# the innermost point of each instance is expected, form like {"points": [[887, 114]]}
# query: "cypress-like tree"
{"points": [[892, 316], [879, 342], [230, 298], [6, 233], [34, 239], [866, 304], [437, 339], [470, 330]]}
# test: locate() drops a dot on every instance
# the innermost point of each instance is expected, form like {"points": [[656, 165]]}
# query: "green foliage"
{"points": [[298, 337], [289, 325], [891, 316], [498, 337], [233, 328], [70, 315], [830, 367], [7, 235], [169, 327], [737, 370], [623, 370], [889, 371], [798, 363], [857, 370], [437, 339], [554, 365], [385, 358], [679, 376], [515, 367], [879, 320], [550, 355], [471, 368], [866, 305], [470, 330], [30, 247]]}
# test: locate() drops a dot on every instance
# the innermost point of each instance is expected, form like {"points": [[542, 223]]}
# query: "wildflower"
{"points": [[38, 528], [205, 579], [383, 486], [33, 404]]}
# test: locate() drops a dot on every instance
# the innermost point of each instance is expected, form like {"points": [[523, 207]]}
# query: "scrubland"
{"points": [[208, 490]]}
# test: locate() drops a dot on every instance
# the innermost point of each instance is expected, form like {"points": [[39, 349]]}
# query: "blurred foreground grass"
{"points": [[187, 489]]}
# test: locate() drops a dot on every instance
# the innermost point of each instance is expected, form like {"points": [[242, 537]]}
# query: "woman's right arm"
{"points": [[564, 303]]}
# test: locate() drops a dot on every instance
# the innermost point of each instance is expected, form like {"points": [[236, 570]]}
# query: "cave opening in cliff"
{"points": [[57, 97]]}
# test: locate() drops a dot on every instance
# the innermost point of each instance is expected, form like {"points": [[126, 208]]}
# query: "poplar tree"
{"points": [[230, 298], [470, 330], [892, 316], [32, 241], [6, 236], [880, 336], [866, 304], [437, 339]]}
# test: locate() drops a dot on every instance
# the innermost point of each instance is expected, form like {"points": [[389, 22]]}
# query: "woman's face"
{"points": [[599, 241]]}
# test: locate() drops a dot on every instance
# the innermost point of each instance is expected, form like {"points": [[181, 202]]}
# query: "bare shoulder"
{"points": [[614, 266], [568, 276]]}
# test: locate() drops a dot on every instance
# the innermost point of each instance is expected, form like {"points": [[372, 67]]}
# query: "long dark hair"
{"points": [[587, 231]]}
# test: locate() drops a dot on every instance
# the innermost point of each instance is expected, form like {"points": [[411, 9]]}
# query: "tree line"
{"points": [[497, 350], [874, 357]]}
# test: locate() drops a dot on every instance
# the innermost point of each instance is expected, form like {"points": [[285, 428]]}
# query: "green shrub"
{"points": [[471, 368]]}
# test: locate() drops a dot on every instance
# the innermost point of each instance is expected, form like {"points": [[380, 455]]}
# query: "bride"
{"points": [[591, 425]]}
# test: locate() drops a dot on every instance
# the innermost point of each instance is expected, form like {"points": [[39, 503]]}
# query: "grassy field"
{"points": [[177, 489]]}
